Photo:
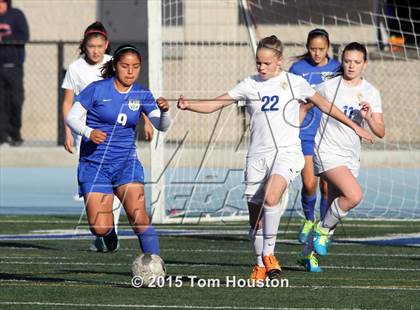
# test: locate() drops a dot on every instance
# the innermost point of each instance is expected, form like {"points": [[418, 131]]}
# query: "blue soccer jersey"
{"points": [[314, 75], [116, 114]]}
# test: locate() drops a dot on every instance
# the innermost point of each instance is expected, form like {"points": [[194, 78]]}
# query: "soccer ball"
{"points": [[150, 268]]}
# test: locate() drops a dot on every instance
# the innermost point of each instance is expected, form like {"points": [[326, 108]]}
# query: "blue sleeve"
{"points": [[86, 96], [293, 69], [149, 102]]}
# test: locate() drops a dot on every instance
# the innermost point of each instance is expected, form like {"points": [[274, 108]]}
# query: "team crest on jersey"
{"points": [[284, 85], [327, 75], [359, 96], [133, 105]]}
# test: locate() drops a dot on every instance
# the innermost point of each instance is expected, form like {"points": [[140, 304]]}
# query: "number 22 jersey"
{"points": [[273, 106]]}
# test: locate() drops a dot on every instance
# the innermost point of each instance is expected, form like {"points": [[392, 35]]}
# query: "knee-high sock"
{"points": [[149, 241], [308, 206], [333, 216], [257, 242], [271, 225], [323, 207], [116, 211]]}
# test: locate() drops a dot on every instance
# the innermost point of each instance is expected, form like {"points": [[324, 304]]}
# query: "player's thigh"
{"points": [[256, 173], [283, 170], [275, 188], [309, 180], [132, 197], [343, 180], [99, 211]]}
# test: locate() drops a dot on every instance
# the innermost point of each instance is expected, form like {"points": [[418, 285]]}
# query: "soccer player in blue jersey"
{"points": [[315, 66], [108, 163]]}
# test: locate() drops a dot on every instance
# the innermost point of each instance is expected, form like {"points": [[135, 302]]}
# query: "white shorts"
{"points": [[324, 162], [259, 169]]}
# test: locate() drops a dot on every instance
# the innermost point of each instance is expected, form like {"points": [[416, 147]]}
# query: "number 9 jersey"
{"points": [[116, 114]]}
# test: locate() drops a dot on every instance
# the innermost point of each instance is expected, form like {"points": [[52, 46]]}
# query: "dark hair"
{"points": [[272, 43], [355, 46], [314, 33], [107, 70], [94, 30]]}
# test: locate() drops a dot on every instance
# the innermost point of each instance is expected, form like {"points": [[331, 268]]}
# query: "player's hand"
{"points": [[182, 103], [162, 104], [68, 143], [364, 134], [148, 131], [365, 110], [97, 136]]}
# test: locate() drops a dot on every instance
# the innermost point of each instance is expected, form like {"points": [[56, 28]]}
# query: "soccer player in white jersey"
{"points": [[337, 148], [94, 49], [274, 157]]}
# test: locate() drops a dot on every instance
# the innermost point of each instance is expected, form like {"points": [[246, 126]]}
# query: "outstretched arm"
{"points": [[329, 108], [205, 106]]}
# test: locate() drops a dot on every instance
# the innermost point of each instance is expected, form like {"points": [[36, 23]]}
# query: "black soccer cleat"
{"points": [[111, 241]]}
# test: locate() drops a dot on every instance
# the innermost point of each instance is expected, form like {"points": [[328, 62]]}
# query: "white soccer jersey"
{"points": [[274, 114], [333, 137], [80, 74]]}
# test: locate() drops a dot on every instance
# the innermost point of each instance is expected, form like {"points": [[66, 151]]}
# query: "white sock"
{"points": [[257, 241], [116, 210], [272, 217], [333, 216]]}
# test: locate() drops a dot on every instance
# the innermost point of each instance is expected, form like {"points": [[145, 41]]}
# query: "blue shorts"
{"points": [[308, 147], [105, 178]]}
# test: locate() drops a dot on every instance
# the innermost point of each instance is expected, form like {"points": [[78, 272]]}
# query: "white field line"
{"points": [[5, 262], [216, 251], [85, 234], [145, 306]]}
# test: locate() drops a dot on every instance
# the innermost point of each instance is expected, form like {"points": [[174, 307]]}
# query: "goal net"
{"points": [[208, 46]]}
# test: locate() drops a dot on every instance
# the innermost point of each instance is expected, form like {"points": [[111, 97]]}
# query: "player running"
{"points": [[337, 155], [108, 163], [315, 66], [94, 53], [274, 154]]}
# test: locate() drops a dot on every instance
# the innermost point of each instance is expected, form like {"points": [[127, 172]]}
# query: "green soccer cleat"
{"points": [[305, 231], [310, 262], [321, 240]]}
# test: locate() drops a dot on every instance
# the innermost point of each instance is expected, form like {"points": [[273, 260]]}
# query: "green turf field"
{"points": [[55, 273]]}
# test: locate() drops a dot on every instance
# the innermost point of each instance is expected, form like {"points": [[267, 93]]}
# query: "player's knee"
{"points": [[355, 198], [140, 223], [309, 187], [271, 200], [100, 230]]}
